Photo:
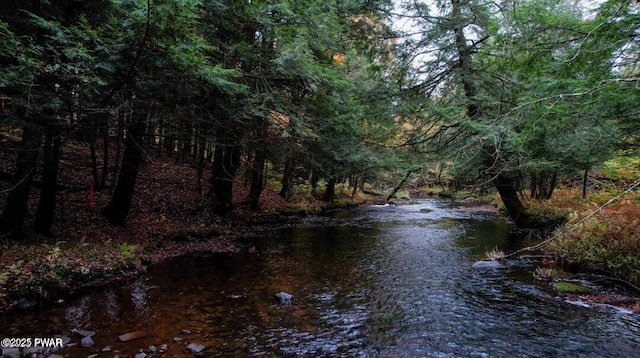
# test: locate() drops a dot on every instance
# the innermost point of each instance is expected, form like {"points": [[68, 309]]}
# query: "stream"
{"points": [[376, 281]]}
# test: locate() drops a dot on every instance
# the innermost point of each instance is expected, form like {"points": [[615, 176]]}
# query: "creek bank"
{"points": [[63, 271], [589, 290]]}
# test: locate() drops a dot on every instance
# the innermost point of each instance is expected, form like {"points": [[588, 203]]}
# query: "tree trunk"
{"points": [[187, 136], [508, 191], [314, 180], [287, 179], [585, 178], [400, 184], [118, 209], [47, 204], [94, 156], [330, 191], [257, 178], [354, 190], [201, 161], [465, 62], [105, 153], [116, 159], [225, 164], [533, 186], [552, 185], [15, 208]]}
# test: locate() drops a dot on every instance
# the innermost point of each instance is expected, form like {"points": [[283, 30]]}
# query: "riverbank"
{"points": [[168, 218]]}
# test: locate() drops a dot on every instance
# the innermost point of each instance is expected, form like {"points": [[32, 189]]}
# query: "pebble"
{"points": [[84, 332], [131, 336], [11, 352], [86, 341], [285, 298], [196, 347], [486, 264]]}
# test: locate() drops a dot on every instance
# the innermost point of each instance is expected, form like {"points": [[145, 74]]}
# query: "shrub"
{"points": [[545, 216], [608, 241]]}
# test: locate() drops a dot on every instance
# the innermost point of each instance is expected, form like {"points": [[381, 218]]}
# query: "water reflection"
{"points": [[376, 281]]}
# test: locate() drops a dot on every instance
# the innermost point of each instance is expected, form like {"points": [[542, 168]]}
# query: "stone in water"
{"points": [[285, 298], [131, 336]]}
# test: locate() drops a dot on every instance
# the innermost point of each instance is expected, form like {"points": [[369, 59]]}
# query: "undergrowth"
{"points": [[609, 241], [38, 271]]}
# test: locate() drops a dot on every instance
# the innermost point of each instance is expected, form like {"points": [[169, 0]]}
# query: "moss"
{"points": [[568, 287]]}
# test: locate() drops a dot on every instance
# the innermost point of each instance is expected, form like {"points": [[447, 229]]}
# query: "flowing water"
{"points": [[367, 282]]}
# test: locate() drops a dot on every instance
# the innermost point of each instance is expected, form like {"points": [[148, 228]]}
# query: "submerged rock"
{"points": [[86, 341], [196, 347], [11, 352], [84, 332], [285, 298], [486, 264], [131, 336]]}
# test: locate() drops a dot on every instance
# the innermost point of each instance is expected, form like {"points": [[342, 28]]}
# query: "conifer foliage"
{"points": [[517, 94], [232, 87]]}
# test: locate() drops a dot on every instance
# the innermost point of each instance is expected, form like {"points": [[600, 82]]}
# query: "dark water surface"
{"points": [[368, 282]]}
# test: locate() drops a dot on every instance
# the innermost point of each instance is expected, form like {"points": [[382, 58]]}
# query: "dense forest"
{"points": [[518, 96]]}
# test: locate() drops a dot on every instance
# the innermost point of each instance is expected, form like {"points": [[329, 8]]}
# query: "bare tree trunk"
{"points": [[355, 186], [257, 178], [585, 178], [15, 208], [330, 191], [287, 178], [400, 184], [91, 136], [225, 165], [314, 180], [47, 204], [104, 128], [552, 185], [116, 159], [201, 161], [118, 209], [509, 195]]}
